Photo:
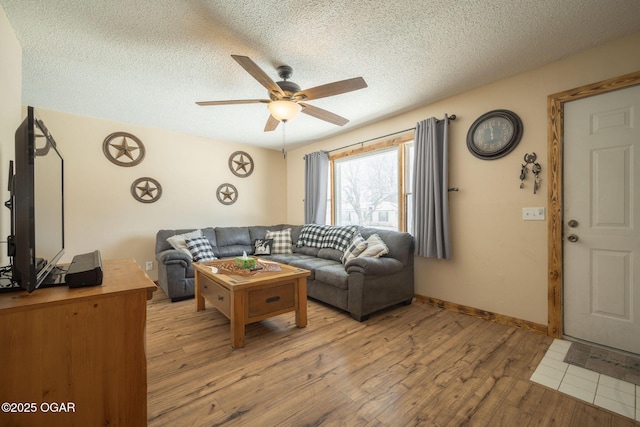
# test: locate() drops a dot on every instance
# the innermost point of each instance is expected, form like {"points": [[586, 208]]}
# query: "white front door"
{"points": [[602, 219]]}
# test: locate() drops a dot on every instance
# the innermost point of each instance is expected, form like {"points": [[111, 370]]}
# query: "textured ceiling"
{"points": [[147, 62]]}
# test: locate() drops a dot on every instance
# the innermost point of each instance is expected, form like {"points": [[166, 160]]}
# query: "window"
{"points": [[409, 151], [369, 185]]}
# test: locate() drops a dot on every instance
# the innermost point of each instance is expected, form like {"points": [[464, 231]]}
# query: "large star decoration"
{"points": [[241, 164], [124, 149], [129, 151]]}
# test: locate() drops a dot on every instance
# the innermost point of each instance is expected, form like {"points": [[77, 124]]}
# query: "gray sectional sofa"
{"points": [[361, 286]]}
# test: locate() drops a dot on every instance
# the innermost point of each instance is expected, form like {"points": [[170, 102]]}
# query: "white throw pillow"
{"points": [[375, 247], [179, 241]]}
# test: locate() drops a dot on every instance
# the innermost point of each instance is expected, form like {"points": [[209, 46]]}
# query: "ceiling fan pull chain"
{"points": [[284, 126]]}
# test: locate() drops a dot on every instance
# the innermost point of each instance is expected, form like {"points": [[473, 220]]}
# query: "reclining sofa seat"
{"points": [[362, 286]]}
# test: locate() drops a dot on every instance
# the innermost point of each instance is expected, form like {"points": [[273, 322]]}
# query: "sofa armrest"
{"points": [[374, 266], [174, 256]]}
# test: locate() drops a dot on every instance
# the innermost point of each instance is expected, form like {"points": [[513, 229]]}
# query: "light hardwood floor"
{"points": [[413, 365]]}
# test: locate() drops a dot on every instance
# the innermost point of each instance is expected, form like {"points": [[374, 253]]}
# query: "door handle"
{"points": [[572, 238]]}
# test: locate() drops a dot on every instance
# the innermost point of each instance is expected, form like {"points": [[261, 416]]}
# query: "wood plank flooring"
{"points": [[416, 365]]}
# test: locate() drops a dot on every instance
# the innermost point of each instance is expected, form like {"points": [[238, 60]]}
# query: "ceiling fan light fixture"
{"points": [[284, 110]]}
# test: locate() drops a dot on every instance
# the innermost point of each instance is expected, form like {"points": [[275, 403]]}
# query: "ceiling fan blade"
{"points": [[230, 102], [325, 115], [331, 89], [258, 74], [272, 124]]}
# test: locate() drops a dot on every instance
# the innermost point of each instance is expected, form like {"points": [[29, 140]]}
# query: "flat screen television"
{"points": [[37, 205]]}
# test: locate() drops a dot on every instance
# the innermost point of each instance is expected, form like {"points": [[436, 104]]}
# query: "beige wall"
{"points": [[10, 96], [499, 261], [100, 212]]}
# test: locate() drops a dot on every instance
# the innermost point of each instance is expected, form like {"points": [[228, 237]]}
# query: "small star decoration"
{"points": [[146, 190], [227, 194]]}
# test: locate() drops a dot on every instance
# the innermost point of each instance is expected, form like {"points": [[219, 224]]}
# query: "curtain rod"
{"points": [[450, 118]]}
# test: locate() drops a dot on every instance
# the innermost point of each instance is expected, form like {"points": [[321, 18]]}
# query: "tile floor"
{"points": [[601, 390]]}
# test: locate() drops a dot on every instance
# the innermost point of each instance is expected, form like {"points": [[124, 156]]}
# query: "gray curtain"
{"points": [[430, 189], [316, 169]]}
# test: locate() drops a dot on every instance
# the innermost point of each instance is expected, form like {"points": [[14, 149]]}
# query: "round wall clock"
{"points": [[494, 134], [241, 164], [123, 149]]}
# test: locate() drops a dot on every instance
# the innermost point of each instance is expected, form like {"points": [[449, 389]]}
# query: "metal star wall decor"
{"points": [[123, 149], [146, 190], [227, 194], [241, 164]]}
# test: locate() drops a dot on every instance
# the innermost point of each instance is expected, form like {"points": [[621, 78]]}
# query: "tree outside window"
{"points": [[366, 189]]}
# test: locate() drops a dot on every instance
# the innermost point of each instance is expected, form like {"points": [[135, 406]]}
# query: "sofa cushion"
{"points": [[333, 274], [306, 250], [179, 241], [200, 249], [233, 236], [375, 247], [259, 231], [312, 235], [339, 237], [281, 241], [311, 264], [357, 246], [328, 253], [400, 244], [287, 258]]}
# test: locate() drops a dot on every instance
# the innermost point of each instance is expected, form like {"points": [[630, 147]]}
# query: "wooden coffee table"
{"points": [[246, 297]]}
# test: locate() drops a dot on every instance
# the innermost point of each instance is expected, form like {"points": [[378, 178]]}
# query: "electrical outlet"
{"points": [[149, 266], [533, 214]]}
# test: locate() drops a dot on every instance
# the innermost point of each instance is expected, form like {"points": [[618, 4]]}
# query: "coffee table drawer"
{"points": [[216, 294], [271, 300]]}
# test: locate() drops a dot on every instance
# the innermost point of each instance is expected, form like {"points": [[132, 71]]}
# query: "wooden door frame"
{"points": [[555, 131]]}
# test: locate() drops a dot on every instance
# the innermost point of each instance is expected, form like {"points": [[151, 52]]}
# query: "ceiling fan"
{"points": [[286, 97]]}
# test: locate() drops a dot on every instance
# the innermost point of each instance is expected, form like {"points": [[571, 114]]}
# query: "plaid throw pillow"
{"points": [[375, 247], [200, 249], [339, 237], [179, 241], [312, 235], [281, 241], [357, 246]]}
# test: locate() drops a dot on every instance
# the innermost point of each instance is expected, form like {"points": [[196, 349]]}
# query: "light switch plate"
{"points": [[533, 214]]}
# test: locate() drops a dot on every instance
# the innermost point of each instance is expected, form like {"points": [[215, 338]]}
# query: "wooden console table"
{"points": [[76, 357]]}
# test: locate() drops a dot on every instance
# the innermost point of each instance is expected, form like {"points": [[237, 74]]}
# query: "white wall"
{"points": [[10, 100], [499, 261], [101, 213]]}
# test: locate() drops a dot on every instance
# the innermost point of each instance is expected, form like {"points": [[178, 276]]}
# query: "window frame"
{"points": [[401, 142]]}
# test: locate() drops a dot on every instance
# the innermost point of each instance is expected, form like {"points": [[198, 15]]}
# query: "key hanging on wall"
{"points": [[530, 159]]}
